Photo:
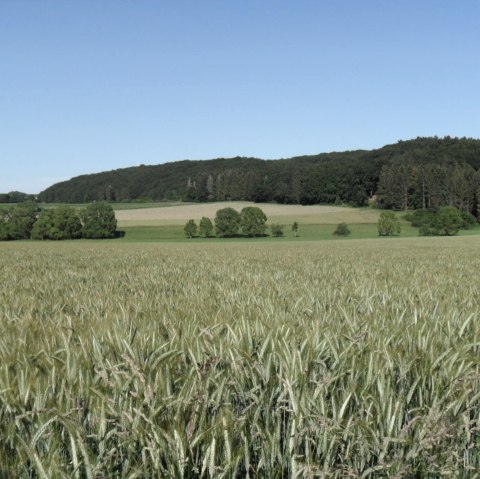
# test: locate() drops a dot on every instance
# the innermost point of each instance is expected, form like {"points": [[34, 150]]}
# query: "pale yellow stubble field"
{"points": [[179, 214]]}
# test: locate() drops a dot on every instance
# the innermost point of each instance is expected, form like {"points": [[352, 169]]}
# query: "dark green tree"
{"points": [[468, 221], [206, 227], [253, 221], [18, 197], [4, 235], [66, 223], [396, 184], [227, 222], [98, 221], [21, 220], [44, 226], [478, 199], [388, 224], [190, 229]]}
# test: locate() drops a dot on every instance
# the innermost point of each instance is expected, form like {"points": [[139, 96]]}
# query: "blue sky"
{"points": [[94, 85]]}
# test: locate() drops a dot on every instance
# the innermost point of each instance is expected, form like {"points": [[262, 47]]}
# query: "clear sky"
{"points": [[94, 85]]}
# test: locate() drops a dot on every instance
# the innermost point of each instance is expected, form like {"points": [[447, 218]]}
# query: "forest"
{"points": [[428, 173]]}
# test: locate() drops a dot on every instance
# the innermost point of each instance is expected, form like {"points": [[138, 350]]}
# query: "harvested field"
{"points": [[315, 214]]}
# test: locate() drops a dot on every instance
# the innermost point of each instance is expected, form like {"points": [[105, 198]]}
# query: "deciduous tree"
{"points": [[206, 227], [253, 221], [388, 224], [98, 221], [190, 229], [227, 222]]}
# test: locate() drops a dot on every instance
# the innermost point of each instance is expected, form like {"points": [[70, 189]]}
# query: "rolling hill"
{"points": [[425, 172]]}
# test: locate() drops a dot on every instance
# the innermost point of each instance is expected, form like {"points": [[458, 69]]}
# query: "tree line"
{"points": [[28, 221], [420, 173], [250, 222], [16, 197]]}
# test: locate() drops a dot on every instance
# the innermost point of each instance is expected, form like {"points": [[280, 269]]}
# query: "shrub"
{"points": [[418, 218], [277, 230], [388, 224], [342, 230], [295, 229], [468, 221], [449, 220]]}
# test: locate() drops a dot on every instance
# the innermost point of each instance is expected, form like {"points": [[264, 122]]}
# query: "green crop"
{"points": [[331, 359]]}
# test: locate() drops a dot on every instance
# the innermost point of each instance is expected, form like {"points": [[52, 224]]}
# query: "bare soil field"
{"points": [[179, 214]]}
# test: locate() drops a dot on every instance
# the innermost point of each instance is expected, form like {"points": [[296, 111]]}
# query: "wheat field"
{"points": [[335, 359]]}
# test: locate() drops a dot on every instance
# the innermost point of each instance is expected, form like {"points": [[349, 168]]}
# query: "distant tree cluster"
{"points": [[421, 173], [228, 223], [444, 221], [405, 184], [28, 221], [15, 197]]}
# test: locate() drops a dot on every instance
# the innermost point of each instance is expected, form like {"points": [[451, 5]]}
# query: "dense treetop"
{"points": [[15, 197], [408, 174], [27, 220]]}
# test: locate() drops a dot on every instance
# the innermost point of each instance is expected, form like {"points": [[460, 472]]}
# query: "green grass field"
{"points": [[332, 359], [307, 232], [164, 221], [315, 222]]}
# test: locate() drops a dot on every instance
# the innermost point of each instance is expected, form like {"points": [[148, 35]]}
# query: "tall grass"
{"points": [[336, 359]]}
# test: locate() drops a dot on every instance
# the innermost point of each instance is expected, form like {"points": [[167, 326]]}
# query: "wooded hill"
{"points": [[425, 172]]}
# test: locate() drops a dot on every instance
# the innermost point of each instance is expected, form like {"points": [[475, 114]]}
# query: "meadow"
{"points": [[316, 222], [330, 359]]}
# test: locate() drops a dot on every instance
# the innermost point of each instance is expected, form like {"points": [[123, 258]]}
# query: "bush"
{"points": [[468, 221], [449, 220], [419, 218], [277, 230], [388, 224], [342, 230], [429, 229]]}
